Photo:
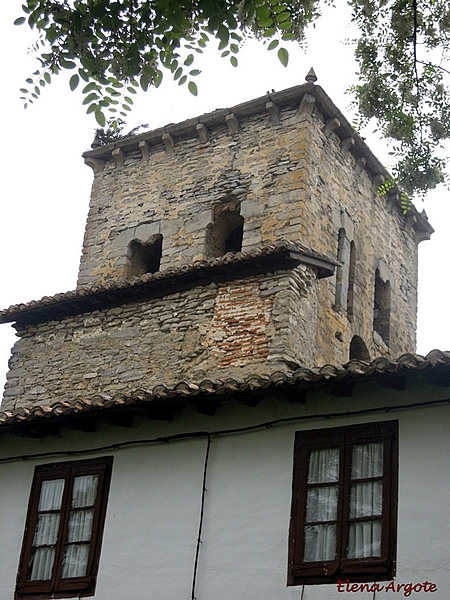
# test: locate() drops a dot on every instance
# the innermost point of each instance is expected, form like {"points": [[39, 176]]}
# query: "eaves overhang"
{"points": [[231, 266], [163, 402]]}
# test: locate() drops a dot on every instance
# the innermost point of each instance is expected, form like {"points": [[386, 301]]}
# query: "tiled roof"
{"points": [[188, 392], [283, 254]]}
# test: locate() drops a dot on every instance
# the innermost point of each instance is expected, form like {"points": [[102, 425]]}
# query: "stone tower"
{"points": [[246, 241]]}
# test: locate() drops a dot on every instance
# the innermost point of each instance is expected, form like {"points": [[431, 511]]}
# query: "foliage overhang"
{"points": [[115, 46]]}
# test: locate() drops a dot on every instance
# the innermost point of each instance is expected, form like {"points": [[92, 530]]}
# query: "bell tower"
{"points": [[248, 241]]}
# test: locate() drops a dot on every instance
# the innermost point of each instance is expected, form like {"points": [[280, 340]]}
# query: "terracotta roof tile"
{"points": [[353, 371]]}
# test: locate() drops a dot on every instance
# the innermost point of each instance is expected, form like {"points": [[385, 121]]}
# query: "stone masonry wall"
{"points": [[255, 325], [292, 179]]}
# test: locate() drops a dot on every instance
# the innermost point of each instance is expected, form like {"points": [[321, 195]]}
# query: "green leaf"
{"points": [[20, 21], [194, 72], [74, 81], [183, 80], [178, 73], [89, 87], [66, 64], [283, 56], [279, 8], [234, 61], [144, 81], [273, 44], [189, 60], [158, 79], [90, 98], [100, 118], [192, 87], [47, 77], [284, 16]]}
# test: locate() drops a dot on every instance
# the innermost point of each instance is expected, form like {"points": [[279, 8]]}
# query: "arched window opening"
{"points": [[382, 307], [358, 349], [144, 257], [351, 279], [226, 232]]}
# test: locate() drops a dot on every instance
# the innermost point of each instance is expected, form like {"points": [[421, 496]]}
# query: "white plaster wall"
{"points": [[153, 511]]}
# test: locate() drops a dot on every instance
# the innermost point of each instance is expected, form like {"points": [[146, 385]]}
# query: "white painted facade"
{"points": [[154, 502]]}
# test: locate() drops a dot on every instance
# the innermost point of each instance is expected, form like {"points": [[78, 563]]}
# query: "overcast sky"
{"points": [[45, 185]]}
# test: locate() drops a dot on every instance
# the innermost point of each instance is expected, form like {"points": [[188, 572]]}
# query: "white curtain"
{"points": [[46, 532], [367, 460], [75, 560], [51, 495], [366, 500], [320, 543], [41, 564], [84, 491], [76, 551], [364, 539], [323, 465], [321, 505]]}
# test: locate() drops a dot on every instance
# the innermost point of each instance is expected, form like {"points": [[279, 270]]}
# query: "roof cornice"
{"points": [[270, 103]]}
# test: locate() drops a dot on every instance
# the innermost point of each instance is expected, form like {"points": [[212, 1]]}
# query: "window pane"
{"points": [[367, 460], [51, 495], [364, 539], [366, 499], [46, 531], [320, 543], [323, 465], [80, 525], [41, 564], [75, 560], [321, 504], [84, 491]]}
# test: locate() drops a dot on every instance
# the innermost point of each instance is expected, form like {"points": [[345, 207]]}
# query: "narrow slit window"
{"points": [[382, 308]]}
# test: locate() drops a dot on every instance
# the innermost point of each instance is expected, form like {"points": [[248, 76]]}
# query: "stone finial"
{"points": [[202, 132], [233, 123], [311, 77], [274, 111], [144, 148], [168, 142], [118, 157]]}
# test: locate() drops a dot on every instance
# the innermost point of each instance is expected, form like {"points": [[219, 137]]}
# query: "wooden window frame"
{"points": [[355, 569], [56, 586]]}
